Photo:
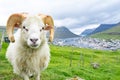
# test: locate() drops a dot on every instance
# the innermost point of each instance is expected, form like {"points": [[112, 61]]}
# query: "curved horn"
{"points": [[14, 21], [48, 21]]}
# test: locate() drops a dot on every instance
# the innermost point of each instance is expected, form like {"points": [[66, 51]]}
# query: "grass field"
{"points": [[67, 62]]}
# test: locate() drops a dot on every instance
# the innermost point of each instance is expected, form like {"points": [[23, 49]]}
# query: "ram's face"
{"points": [[32, 31]]}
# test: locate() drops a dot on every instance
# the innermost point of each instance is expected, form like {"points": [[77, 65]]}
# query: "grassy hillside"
{"points": [[113, 33], [68, 62]]}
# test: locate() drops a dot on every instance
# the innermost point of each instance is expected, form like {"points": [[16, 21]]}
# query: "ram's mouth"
{"points": [[34, 46]]}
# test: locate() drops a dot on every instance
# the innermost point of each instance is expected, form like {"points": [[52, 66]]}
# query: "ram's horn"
{"points": [[14, 21], [48, 21]]}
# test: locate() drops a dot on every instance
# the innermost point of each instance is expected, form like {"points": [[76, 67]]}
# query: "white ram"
{"points": [[28, 51]]}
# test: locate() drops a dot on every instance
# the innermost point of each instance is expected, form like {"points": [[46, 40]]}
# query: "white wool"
{"points": [[27, 61]]}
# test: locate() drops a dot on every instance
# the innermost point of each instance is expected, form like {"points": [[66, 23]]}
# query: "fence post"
{"points": [[81, 60], [2, 38], [92, 59], [71, 56], [117, 60]]}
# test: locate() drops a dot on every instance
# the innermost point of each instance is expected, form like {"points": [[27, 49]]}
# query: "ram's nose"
{"points": [[34, 40]]}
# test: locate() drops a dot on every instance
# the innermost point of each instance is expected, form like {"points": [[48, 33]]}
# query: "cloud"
{"points": [[70, 13], [66, 22], [80, 30]]}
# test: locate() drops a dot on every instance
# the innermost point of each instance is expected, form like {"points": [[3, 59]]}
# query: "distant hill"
{"points": [[2, 28], [63, 32], [103, 27], [112, 33], [87, 32]]}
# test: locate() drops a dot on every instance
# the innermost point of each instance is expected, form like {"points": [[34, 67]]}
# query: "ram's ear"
{"points": [[48, 27]]}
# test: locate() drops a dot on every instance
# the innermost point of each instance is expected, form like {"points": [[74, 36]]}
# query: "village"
{"points": [[87, 42]]}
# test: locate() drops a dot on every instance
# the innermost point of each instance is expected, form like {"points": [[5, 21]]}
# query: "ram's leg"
{"points": [[24, 76], [37, 77]]}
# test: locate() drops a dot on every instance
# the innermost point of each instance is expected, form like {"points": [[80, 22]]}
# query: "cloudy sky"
{"points": [[77, 15]]}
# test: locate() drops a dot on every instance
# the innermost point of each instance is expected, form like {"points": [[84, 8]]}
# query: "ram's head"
{"points": [[32, 27]]}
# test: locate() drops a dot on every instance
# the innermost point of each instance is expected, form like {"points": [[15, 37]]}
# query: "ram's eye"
{"points": [[40, 30], [25, 28], [43, 28]]}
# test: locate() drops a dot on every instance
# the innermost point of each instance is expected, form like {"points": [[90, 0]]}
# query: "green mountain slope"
{"points": [[113, 33]]}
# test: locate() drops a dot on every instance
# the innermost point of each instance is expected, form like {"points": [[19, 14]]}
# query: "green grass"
{"points": [[60, 69]]}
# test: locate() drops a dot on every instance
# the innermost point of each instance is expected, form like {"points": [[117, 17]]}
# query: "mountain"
{"points": [[2, 28], [87, 32], [63, 32], [112, 33], [103, 27]]}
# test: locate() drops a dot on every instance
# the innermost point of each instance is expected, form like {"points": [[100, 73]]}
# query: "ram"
{"points": [[28, 51]]}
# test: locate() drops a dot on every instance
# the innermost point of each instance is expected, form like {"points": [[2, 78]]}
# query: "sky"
{"points": [[76, 15]]}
